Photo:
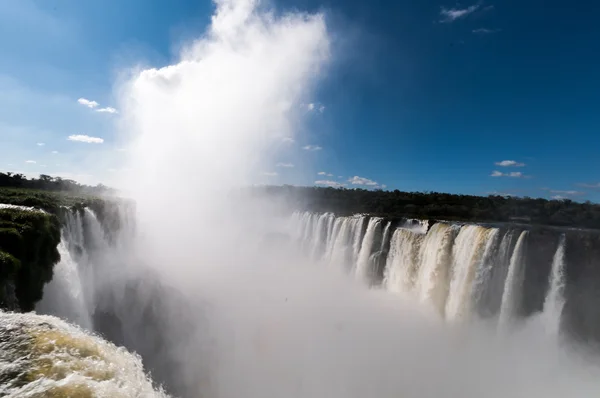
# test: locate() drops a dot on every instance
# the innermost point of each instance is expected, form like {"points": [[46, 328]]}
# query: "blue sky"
{"points": [[473, 97]]}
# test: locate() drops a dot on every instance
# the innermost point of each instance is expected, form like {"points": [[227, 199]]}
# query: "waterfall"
{"points": [[483, 273], [364, 265], [386, 236], [67, 295], [403, 260], [434, 272], [511, 298], [468, 250], [554, 301], [64, 296]]}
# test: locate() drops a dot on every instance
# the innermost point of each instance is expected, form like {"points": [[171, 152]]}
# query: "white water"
{"points": [[364, 265], [555, 300], [43, 356], [64, 296], [514, 283], [403, 260], [434, 272], [468, 250]]}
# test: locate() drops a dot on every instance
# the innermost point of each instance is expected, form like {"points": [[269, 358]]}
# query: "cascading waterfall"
{"points": [[434, 273], [364, 265], [555, 300], [64, 296], [403, 260], [459, 270], [468, 251], [511, 298]]}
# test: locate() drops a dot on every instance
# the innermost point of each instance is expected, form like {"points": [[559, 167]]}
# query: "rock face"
{"points": [[28, 252]]}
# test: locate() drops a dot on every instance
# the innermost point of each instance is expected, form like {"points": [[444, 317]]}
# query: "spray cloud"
{"points": [[277, 324]]}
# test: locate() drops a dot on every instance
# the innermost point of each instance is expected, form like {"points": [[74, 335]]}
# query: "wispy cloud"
{"points": [[270, 174], [593, 185], [452, 14], [328, 183], [558, 197], [40, 144], [510, 163], [93, 105], [285, 165], [485, 31], [567, 192], [288, 140], [85, 138], [86, 102], [356, 180], [31, 161], [514, 174], [312, 148], [108, 109], [324, 173], [315, 107], [54, 152]]}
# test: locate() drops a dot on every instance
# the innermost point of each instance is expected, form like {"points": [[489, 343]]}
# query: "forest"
{"points": [[438, 206]]}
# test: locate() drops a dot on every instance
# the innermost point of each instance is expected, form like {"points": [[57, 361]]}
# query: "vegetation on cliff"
{"points": [[28, 252]]}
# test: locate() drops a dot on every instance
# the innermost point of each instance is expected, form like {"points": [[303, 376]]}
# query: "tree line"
{"points": [[49, 183], [439, 206]]}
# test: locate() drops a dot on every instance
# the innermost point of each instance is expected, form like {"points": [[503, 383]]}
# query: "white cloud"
{"points": [[340, 176], [356, 180], [88, 103], [288, 140], [514, 174], [496, 193], [333, 184], [85, 138], [558, 197], [285, 165], [567, 193], [40, 144], [315, 107], [31, 161], [108, 109], [54, 152], [322, 173], [270, 173], [485, 31], [312, 148], [509, 163], [452, 14]]}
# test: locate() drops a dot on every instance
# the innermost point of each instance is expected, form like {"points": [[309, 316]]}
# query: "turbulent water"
{"points": [[42, 356]]}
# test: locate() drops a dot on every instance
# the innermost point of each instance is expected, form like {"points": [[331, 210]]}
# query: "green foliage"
{"points": [[28, 241], [48, 183], [9, 265]]}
